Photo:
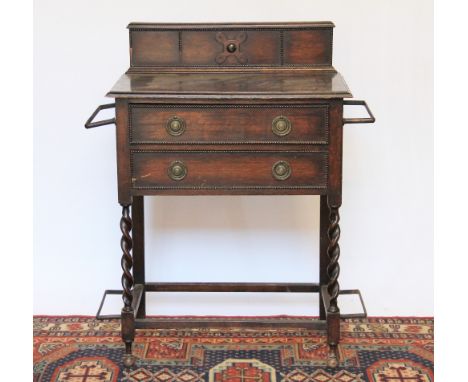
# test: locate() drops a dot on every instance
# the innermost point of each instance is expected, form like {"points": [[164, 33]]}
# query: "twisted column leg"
{"points": [[126, 244], [333, 251], [128, 318], [333, 287]]}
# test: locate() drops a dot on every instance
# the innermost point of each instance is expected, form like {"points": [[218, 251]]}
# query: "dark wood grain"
{"points": [[202, 48], [230, 26], [232, 287], [308, 47], [123, 152], [318, 84], [335, 150], [227, 322], [208, 170], [228, 124], [151, 48], [257, 45]]}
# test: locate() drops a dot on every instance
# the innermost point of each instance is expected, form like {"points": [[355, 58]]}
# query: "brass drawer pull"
{"points": [[177, 170], [281, 170], [175, 126], [281, 126]]}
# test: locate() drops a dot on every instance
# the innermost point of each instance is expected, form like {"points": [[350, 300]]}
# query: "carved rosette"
{"points": [[231, 48], [333, 252], [126, 244]]}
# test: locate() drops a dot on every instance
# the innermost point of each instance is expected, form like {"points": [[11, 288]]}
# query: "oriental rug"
{"points": [[82, 349]]}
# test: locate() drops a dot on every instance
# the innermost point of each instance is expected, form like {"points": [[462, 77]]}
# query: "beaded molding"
{"points": [[228, 187], [144, 69], [228, 29], [236, 143], [304, 151], [281, 48]]}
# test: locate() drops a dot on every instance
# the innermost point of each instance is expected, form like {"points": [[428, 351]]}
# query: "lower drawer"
{"points": [[228, 170]]}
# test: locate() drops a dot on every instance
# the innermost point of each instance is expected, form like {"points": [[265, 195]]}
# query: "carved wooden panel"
{"points": [[158, 45]]}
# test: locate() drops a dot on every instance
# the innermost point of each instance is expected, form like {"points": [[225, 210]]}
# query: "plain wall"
{"points": [[384, 50]]}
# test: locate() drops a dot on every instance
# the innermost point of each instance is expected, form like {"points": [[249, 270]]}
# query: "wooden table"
{"points": [[229, 109]]}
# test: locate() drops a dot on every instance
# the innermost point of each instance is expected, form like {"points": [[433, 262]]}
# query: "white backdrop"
{"points": [[384, 50]]}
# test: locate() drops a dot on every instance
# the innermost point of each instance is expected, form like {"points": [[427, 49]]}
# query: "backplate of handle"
{"points": [[90, 124], [371, 118]]}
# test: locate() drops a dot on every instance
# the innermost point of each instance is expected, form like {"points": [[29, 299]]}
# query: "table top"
{"points": [[231, 26], [285, 84]]}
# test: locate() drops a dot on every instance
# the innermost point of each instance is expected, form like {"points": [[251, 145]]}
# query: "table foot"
{"points": [[128, 360], [332, 360]]}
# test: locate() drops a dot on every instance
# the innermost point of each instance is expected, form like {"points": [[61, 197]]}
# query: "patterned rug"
{"points": [[82, 349]]}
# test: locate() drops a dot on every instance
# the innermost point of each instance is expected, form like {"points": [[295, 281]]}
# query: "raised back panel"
{"points": [[207, 46]]}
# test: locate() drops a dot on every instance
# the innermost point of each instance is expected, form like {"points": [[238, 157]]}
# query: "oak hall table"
{"points": [[229, 109]]}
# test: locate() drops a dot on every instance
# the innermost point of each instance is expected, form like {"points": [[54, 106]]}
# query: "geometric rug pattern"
{"points": [[83, 349]]}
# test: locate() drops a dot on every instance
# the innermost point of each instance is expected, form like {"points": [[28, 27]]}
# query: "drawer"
{"points": [[219, 124], [213, 170]]}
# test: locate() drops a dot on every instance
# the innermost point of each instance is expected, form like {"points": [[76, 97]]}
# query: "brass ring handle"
{"points": [[281, 126], [177, 170], [281, 170], [175, 126]]}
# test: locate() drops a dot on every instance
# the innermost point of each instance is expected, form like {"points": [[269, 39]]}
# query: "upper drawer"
{"points": [[231, 45], [217, 124]]}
